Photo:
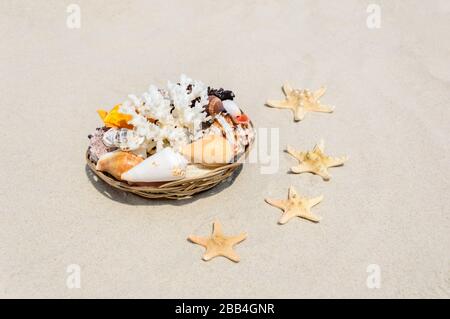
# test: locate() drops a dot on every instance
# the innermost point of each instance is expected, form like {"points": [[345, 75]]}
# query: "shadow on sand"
{"points": [[131, 199]]}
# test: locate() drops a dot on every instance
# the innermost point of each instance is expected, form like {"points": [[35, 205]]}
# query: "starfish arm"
{"points": [[217, 229], [231, 255], [300, 169], [320, 146], [290, 150], [292, 193], [336, 161], [319, 93], [310, 216], [321, 108], [209, 254], [279, 104], [314, 201], [279, 203], [198, 240], [285, 218], [299, 113], [237, 239], [287, 89], [323, 172]]}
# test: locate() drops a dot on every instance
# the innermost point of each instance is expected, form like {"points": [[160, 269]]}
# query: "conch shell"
{"points": [[117, 163], [238, 135], [116, 119], [164, 166], [125, 139], [210, 150]]}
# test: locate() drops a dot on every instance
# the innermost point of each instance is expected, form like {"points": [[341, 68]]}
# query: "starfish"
{"points": [[296, 206], [315, 161], [301, 101], [219, 244]]}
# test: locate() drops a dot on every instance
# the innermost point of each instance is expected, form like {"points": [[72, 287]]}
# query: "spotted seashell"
{"points": [[125, 139]]}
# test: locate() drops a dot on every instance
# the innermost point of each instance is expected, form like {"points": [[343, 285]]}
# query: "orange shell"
{"points": [[117, 163], [115, 119]]}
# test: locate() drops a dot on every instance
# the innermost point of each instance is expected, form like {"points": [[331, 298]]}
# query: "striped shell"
{"points": [[124, 139]]}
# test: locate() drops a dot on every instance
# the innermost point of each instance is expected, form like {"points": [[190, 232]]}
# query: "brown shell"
{"points": [[215, 105]]}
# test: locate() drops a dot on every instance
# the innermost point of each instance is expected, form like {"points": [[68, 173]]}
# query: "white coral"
{"points": [[189, 99], [156, 106], [173, 117]]}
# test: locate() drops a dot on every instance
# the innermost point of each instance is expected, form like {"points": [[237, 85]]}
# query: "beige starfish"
{"points": [[219, 244], [296, 206], [301, 101], [315, 161]]}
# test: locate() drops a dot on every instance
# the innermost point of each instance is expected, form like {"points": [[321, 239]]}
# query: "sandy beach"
{"points": [[385, 210]]}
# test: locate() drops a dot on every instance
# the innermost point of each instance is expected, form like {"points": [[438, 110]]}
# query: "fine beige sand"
{"points": [[388, 206]]}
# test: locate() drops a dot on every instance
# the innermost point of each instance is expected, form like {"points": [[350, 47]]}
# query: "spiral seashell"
{"points": [[125, 139], [209, 150]]}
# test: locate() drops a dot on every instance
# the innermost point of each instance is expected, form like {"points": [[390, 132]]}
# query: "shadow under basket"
{"points": [[180, 189]]}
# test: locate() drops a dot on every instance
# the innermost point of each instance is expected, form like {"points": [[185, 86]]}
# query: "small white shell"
{"points": [[141, 152], [231, 108], [126, 140]]}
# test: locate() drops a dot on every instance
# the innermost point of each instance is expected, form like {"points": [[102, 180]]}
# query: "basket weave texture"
{"points": [[184, 188]]}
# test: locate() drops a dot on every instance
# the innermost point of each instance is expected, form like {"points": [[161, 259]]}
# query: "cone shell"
{"points": [[117, 163], [209, 150], [164, 166]]}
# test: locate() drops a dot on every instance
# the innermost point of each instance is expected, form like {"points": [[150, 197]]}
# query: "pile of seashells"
{"points": [[169, 134]]}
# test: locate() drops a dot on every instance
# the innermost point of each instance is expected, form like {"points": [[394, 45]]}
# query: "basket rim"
{"points": [[166, 186]]}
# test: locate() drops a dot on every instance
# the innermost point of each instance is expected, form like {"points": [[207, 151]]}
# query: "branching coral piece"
{"points": [[219, 244], [315, 161], [301, 101], [296, 206]]}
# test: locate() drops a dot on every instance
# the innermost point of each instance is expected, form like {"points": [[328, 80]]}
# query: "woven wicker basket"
{"points": [[184, 188]]}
